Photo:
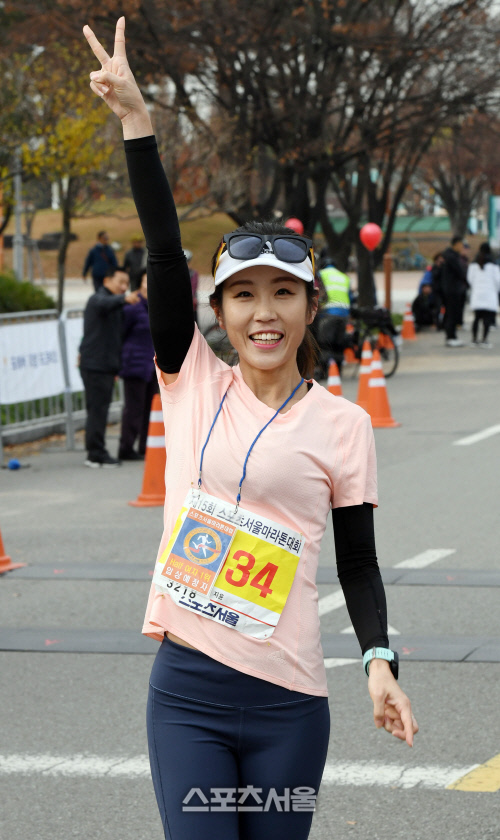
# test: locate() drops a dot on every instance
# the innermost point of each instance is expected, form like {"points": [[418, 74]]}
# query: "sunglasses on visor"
{"points": [[249, 246]]}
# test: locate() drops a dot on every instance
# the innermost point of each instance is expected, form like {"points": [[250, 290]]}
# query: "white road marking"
{"points": [[93, 766], [390, 629], [331, 602], [358, 774], [336, 599], [486, 433], [367, 773], [426, 558]]}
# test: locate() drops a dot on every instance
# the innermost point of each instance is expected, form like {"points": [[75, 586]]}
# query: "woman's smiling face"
{"points": [[265, 312]]}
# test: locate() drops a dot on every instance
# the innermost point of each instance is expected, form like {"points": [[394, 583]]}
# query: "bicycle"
{"points": [[374, 325], [365, 323]]}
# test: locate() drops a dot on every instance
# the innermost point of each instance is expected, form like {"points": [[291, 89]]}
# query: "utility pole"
{"points": [[18, 251], [18, 241], [388, 280]]}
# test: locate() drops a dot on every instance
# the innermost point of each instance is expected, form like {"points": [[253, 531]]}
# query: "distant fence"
{"points": [[41, 391]]}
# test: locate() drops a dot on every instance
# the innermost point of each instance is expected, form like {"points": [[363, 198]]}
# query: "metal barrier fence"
{"points": [[33, 418]]}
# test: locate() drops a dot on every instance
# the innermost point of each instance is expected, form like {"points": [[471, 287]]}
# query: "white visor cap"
{"points": [[229, 266]]}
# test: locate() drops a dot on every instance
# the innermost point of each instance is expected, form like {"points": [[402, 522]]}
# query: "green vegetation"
{"points": [[21, 297]]}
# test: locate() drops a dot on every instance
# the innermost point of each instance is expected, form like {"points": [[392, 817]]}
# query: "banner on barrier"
{"points": [[30, 362], [73, 328]]}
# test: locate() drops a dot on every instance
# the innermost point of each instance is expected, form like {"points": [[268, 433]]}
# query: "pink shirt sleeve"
{"points": [[357, 482], [200, 364]]}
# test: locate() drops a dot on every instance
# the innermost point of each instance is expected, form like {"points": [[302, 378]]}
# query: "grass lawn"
{"points": [[200, 236]]}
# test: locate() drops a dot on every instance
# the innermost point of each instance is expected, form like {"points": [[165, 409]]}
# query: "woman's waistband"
{"points": [[188, 672]]}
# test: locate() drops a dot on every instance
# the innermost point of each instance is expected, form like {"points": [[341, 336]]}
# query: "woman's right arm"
{"points": [[169, 286], [170, 300]]}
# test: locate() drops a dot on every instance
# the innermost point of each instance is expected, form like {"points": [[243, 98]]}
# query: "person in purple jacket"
{"points": [[137, 372]]}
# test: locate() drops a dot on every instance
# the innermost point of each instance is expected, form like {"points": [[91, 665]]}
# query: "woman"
{"points": [[138, 374], [238, 719], [483, 277]]}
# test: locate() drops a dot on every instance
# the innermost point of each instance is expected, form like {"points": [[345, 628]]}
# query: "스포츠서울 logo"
{"points": [[202, 545]]}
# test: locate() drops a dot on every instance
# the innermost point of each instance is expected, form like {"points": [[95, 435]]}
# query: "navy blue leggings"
{"points": [[254, 751]]}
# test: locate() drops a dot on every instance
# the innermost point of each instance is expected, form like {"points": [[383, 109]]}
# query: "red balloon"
{"points": [[371, 236], [295, 224]]}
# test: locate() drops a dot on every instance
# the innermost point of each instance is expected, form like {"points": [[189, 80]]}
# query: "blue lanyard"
{"points": [[238, 497]]}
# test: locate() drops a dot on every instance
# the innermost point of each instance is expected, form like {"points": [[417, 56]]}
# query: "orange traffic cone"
{"points": [[408, 332], [378, 401], [6, 564], [364, 375], [349, 354], [153, 482], [334, 384]]}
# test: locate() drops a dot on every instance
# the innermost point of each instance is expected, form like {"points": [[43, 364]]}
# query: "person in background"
{"points": [[426, 278], [134, 262], [484, 280], [465, 257], [437, 288], [424, 308], [101, 259], [335, 309], [453, 284], [138, 374], [100, 352]]}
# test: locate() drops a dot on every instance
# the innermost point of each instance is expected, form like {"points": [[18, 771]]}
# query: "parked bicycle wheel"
{"points": [[220, 344], [389, 352]]}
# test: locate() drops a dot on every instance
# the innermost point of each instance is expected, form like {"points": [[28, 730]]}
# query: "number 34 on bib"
{"points": [[249, 590]]}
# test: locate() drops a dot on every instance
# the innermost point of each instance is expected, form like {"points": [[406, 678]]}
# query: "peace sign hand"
{"points": [[115, 82]]}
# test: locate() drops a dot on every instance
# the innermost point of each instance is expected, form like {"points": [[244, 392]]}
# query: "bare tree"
{"points": [[329, 95], [461, 164]]}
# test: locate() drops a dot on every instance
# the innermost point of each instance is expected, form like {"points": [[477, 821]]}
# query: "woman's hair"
{"points": [[307, 353], [484, 254]]}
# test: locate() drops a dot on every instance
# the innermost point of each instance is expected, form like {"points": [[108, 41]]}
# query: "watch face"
{"points": [[395, 666]]}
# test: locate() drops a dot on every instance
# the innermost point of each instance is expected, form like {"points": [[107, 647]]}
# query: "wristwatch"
{"points": [[390, 656]]}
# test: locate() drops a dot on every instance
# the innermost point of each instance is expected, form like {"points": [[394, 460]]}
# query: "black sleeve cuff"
{"points": [[140, 143]]}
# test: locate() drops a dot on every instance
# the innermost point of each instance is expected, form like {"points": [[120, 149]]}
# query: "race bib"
{"points": [[237, 569]]}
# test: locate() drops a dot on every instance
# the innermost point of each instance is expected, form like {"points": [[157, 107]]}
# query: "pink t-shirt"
{"points": [[318, 455]]}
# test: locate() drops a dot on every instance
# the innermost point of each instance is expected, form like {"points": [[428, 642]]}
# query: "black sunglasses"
{"points": [[249, 246]]}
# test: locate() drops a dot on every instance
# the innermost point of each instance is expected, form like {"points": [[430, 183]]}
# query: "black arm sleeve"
{"points": [[359, 574], [170, 299]]}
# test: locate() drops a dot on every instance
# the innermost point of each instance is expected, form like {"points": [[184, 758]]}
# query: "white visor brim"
{"points": [[229, 266]]}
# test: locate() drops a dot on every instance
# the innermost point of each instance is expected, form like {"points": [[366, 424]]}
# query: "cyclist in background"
{"points": [[334, 310]]}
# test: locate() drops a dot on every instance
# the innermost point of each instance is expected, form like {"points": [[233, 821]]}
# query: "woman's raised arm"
{"points": [[169, 287]]}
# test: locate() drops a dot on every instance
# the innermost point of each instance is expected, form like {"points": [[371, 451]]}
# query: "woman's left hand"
{"points": [[391, 706]]}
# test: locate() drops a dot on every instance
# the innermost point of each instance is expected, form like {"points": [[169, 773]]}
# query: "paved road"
{"points": [[72, 743], [404, 286]]}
